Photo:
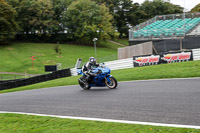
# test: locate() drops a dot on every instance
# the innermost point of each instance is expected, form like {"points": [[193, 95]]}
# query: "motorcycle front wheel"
{"points": [[112, 84], [83, 85]]}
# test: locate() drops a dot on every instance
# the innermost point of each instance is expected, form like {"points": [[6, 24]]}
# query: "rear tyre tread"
{"points": [[85, 87]]}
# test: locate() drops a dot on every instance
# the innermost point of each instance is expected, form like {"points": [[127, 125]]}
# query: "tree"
{"points": [[85, 20], [105, 28], [126, 16], [159, 7], [125, 13], [196, 8], [8, 25], [59, 7], [36, 17], [13, 3], [42, 21]]}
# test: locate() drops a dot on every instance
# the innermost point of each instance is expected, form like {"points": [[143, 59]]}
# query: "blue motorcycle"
{"points": [[101, 78]]}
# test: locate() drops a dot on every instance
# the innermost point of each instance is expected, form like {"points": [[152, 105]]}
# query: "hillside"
{"points": [[16, 57]]}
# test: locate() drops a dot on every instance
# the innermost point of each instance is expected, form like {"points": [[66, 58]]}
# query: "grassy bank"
{"points": [[25, 123], [175, 70], [16, 57], [122, 41]]}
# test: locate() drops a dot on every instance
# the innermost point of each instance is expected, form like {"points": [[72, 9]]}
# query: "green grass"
{"points": [[108, 44], [174, 70], [122, 41], [11, 76], [35, 124], [16, 57]]}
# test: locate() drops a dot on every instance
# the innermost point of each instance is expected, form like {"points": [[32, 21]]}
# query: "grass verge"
{"points": [[32, 124], [11, 76], [174, 70]]}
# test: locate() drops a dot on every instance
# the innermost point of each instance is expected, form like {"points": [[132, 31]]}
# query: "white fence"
{"points": [[196, 54], [73, 72], [113, 65], [120, 64], [128, 63]]}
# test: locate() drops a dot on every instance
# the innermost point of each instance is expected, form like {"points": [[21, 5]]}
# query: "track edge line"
{"points": [[106, 120]]}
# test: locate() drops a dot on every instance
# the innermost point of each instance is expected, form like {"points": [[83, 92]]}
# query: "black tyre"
{"points": [[112, 84], [83, 85]]}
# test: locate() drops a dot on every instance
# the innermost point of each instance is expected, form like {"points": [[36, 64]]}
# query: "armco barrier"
{"points": [[41, 78], [196, 54], [113, 65], [120, 64]]}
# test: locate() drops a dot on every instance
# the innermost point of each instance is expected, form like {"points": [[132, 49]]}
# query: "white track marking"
{"points": [[107, 120]]}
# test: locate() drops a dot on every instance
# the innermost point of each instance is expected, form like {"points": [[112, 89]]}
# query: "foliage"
{"points": [[37, 17], [159, 7], [42, 21], [82, 20], [59, 7], [125, 14], [86, 20], [105, 30], [57, 49], [196, 8], [8, 25]]}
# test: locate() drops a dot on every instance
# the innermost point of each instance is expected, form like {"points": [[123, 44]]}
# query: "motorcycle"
{"points": [[101, 78]]}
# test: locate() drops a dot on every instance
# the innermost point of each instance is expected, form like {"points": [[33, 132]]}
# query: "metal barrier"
{"points": [[73, 72], [37, 79], [120, 64], [113, 65], [196, 54]]}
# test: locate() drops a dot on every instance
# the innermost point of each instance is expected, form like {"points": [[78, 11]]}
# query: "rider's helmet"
{"points": [[92, 60]]}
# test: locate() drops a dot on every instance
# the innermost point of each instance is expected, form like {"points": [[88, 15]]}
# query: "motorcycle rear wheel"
{"points": [[85, 86], [112, 84]]}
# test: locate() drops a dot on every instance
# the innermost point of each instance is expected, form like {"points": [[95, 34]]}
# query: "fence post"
{"points": [[181, 44]]}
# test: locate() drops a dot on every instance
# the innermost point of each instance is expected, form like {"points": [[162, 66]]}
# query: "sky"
{"points": [[189, 4]]}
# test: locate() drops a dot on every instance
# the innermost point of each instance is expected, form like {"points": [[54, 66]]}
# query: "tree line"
{"points": [[76, 20]]}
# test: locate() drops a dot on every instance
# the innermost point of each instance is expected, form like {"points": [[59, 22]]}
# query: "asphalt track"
{"points": [[173, 101]]}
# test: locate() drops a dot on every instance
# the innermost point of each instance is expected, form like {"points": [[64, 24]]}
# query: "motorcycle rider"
{"points": [[86, 69]]}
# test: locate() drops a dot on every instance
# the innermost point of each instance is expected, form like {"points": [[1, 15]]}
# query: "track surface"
{"points": [[160, 101]]}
